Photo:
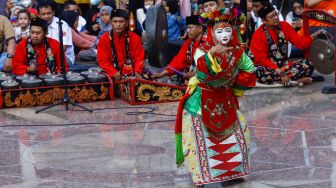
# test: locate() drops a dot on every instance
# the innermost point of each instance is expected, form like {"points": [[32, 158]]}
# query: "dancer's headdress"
{"points": [[231, 16]]}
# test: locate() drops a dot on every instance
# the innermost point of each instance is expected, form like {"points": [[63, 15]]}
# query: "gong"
{"points": [[322, 55], [10, 84], [31, 82], [96, 78], [156, 35], [54, 81], [76, 79]]}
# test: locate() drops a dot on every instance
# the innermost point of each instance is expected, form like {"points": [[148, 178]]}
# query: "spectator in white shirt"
{"points": [[23, 20], [141, 12], [46, 10]]}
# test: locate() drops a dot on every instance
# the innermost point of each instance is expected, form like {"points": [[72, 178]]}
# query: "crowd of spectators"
{"points": [[84, 24]]}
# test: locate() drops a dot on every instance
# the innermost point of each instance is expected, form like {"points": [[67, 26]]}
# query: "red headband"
{"points": [[221, 25]]}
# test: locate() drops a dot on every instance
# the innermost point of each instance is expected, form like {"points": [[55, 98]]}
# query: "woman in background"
{"points": [[81, 40], [105, 26], [294, 17]]}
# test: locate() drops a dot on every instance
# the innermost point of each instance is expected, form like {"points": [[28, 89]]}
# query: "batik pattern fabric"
{"points": [[32, 57], [300, 69], [279, 55], [215, 136]]}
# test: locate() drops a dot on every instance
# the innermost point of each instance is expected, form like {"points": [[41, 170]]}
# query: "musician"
{"points": [[120, 52], [37, 54], [269, 46], [184, 59]]}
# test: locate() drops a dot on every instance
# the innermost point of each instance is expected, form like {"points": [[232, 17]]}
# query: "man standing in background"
{"points": [[7, 44]]}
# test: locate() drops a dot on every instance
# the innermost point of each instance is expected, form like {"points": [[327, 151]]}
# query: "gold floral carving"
{"points": [[7, 100], [51, 96], [26, 99], [146, 92], [77, 94], [22, 100], [90, 94]]}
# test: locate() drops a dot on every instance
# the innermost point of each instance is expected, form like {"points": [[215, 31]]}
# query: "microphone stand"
{"points": [[66, 99]]}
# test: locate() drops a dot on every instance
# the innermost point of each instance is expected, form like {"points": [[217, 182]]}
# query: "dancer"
{"points": [[211, 134]]}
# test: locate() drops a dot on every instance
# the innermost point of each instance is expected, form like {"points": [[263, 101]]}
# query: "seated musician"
{"points": [[37, 54], [269, 46], [184, 59], [120, 52]]}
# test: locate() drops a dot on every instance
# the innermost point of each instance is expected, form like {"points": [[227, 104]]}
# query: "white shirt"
{"points": [[141, 16], [53, 32], [81, 24], [19, 32]]}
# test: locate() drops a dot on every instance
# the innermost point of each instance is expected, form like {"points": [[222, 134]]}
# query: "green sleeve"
{"points": [[245, 63]]}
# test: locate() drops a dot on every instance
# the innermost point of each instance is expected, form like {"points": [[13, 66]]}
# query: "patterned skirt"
{"points": [[300, 69], [212, 159]]}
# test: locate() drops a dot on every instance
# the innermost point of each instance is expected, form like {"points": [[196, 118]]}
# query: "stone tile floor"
{"points": [[293, 144]]}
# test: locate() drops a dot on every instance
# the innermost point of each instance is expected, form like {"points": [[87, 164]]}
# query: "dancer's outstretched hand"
{"points": [[219, 49]]}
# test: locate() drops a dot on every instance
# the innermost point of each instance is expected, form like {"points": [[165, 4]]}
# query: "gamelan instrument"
{"points": [[322, 51], [157, 35], [29, 90], [31, 82]]}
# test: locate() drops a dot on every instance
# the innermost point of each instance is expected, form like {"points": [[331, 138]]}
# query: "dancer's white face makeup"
{"points": [[223, 35]]}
